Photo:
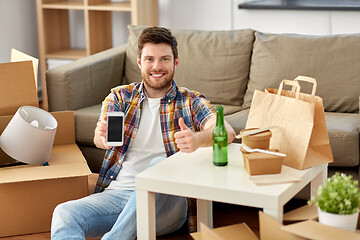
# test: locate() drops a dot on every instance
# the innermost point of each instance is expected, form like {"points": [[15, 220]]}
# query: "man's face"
{"points": [[157, 66]]}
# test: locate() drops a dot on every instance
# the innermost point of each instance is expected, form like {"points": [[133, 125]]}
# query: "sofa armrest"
{"points": [[85, 82]]}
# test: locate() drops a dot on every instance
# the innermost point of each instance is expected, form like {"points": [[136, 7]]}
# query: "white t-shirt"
{"points": [[147, 145]]}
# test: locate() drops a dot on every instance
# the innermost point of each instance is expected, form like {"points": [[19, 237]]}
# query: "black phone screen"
{"points": [[115, 129]]}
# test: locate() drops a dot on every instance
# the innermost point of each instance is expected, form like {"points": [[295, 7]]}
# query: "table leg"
{"points": [[317, 181], [204, 213], [276, 213], [145, 215]]}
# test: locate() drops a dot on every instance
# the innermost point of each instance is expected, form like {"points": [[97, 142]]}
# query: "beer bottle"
{"points": [[220, 140]]}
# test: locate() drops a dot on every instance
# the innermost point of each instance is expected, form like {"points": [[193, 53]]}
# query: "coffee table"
{"points": [[194, 175]]}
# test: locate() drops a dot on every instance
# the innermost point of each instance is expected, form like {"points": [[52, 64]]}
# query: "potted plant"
{"points": [[338, 202]]}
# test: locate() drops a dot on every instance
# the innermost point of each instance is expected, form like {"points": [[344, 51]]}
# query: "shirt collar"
{"points": [[172, 92], [142, 92]]}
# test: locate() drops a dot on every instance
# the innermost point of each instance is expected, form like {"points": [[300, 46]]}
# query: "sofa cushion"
{"points": [[85, 123], [215, 63], [343, 129], [332, 60], [238, 120]]}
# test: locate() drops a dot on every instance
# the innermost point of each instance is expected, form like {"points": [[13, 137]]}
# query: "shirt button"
{"points": [[111, 177]]}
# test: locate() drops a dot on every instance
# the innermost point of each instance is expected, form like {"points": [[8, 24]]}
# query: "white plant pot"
{"points": [[344, 221]]}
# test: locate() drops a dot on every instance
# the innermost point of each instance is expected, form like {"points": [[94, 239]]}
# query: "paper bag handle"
{"points": [[295, 87], [307, 79]]}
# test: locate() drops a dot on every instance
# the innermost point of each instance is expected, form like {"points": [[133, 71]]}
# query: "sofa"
{"points": [[227, 67]]}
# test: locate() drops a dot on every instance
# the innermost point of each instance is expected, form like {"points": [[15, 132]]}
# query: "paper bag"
{"points": [[299, 118]]}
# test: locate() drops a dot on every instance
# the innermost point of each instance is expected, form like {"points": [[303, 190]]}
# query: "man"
{"points": [[160, 119]]}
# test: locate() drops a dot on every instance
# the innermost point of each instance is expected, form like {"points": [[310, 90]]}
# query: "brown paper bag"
{"points": [[299, 118]]}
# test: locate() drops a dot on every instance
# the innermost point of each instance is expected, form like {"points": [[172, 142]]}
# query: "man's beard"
{"points": [[158, 85]]}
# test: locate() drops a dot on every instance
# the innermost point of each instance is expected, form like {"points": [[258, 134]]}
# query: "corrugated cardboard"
{"points": [[232, 232], [302, 229], [270, 229], [17, 86], [29, 193], [317, 231], [17, 56], [306, 212]]}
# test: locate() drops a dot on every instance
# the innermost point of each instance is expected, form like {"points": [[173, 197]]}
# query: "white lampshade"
{"points": [[29, 136]]}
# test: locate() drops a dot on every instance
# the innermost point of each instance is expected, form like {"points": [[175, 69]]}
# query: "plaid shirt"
{"points": [[178, 102]]}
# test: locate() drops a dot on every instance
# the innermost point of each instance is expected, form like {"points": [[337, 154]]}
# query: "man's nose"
{"points": [[157, 65]]}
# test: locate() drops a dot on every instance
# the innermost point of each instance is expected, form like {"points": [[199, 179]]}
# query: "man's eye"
{"points": [[165, 59], [148, 59]]}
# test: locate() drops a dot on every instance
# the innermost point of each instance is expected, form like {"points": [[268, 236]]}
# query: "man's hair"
{"points": [[157, 35]]}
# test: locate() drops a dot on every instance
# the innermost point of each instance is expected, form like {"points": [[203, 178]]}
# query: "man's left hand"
{"points": [[186, 140]]}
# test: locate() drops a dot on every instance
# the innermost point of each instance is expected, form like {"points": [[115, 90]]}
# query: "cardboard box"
{"points": [[257, 163], [232, 232], [29, 193], [303, 229]]}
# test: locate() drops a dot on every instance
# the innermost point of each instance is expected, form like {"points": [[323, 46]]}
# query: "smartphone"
{"points": [[115, 129]]}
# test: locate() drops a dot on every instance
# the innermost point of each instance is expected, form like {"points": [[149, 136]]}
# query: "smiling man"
{"points": [[160, 119]]}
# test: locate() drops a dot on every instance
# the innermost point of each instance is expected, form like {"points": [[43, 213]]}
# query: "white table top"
{"points": [[194, 175]]}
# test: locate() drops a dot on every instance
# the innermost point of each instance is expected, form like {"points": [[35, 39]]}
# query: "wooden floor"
{"points": [[224, 214]]}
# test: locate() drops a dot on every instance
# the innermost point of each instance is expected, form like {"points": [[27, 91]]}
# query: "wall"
{"points": [[196, 14], [18, 28], [344, 22], [283, 21]]}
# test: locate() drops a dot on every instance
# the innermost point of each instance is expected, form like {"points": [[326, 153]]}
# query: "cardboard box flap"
{"points": [[317, 231], [19, 79], [65, 132], [65, 161], [270, 229], [236, 231], [17, 56], [307, 212]]}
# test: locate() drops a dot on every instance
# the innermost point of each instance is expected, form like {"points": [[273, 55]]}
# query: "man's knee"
{"points": [[172, 215], [64, 211]]}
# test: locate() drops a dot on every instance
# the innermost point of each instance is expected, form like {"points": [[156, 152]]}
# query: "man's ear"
{"points": [[176, 61], [139, 62]]}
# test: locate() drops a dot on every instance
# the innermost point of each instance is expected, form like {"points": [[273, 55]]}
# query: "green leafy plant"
{"points": [[339, 195]]}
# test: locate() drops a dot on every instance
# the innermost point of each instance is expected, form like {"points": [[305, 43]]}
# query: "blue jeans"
{"points": [[111, 215]]}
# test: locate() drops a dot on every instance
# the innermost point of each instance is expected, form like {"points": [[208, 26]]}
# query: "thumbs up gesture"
{"points": [[186, 140]]}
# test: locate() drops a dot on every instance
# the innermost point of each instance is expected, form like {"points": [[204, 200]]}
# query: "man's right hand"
{"points": [[100, 134]]}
